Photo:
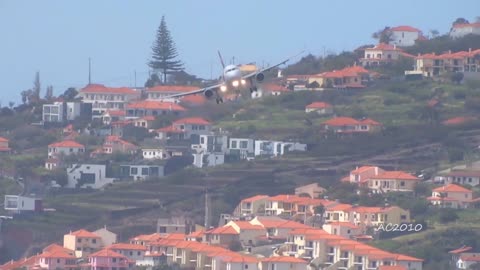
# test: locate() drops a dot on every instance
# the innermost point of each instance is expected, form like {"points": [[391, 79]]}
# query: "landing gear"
{"points": [[253, 89], [219, 100]]}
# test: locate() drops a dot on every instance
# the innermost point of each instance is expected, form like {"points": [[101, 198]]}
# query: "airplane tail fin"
{"points": [[221, 59]]}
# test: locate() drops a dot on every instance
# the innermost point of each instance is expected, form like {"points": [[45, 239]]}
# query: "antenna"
{"points": [[134, 78]]}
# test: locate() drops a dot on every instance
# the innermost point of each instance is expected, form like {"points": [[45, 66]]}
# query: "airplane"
{"points": [[232, 79]]}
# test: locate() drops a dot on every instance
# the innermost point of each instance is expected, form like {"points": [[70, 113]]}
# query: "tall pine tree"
{"points": [[164, 53]]}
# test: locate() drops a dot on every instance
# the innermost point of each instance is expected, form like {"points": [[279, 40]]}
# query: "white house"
{"points": [[154, 153], [405, 35], [87, 175], [105, 98], [61, 111], [209, 150], [67, 147], [201, 159], [273, 148], [462, 29], [243, 147], [19, 204]]}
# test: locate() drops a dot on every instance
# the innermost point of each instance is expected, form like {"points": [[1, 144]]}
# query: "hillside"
{"points": [[413, 139]]}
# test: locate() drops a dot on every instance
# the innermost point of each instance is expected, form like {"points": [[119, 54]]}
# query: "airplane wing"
{"points": [[252, 74], [194, 92]]}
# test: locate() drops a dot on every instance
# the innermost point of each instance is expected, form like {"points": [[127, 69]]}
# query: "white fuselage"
{"points": [[232, 76]]}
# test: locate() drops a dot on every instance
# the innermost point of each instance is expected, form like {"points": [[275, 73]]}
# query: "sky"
{"points": [[57, 37]]}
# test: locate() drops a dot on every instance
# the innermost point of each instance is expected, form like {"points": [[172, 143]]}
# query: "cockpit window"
{"points": [[228, 70]]}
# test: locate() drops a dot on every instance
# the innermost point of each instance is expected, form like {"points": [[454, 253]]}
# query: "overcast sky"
{"points": [[56, 38]]}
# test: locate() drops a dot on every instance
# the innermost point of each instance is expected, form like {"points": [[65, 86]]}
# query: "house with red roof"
{"points": [[319, 107], [468, 261], [4, 147], [393, 181], [314, 190], [462, 177], [184, 128], [249, 234], [435, 65], [222, 236], [284, 263], [133, 252], [459, 30], [277, 228], [272, 89], [231, 260], [344, 229], [56, 259], [154, 108], [251, 206], [354, 77], [348, 125], [105, 98], [452, 196], [382, 54], [362, 174], [67, 147], [405, 35], [107, 259], [459, 120], [161, 91], [82, 242], [110, 116], [114, 144]]}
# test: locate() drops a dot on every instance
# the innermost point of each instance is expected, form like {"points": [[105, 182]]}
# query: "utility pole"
{"points": [[207, 221], [135, 79]]}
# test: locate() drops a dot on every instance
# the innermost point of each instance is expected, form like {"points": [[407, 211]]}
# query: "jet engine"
{"points": [[208, 94], [260, 77]]}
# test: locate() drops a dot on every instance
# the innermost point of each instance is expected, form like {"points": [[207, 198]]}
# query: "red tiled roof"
{"points": [[340, 207], [395, 175], [84, 233], [463, 25], [234, 258], [222, 230], [341, 121], [56, 247], [470, 258], [124, 246], [192, 120], [194, 99], [273, 87], [3, 139], [452, 188], [401, 257], [115, 112], [457, 120], [245, 225], [362, 169], [343, 224], [255, 198], [155, 105], [404, 28], [172, 88], [281, 223], [196, 234], [285, 259], [464, 173], [67, 143], [318, 105], [460, 250], [170, 129], [58, 254], [107, 253], [392, 267], [369, 121], [100, 88]]}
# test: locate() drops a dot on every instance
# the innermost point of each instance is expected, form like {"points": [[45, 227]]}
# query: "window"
{"points": [[243, 144], [202, 127], [402, 184], [138, 253], [58, 260], [234, 144], [94, 241], [79, 240], [246, 266], [144, 171], [131, 253], [114, 259], [133, 171]]}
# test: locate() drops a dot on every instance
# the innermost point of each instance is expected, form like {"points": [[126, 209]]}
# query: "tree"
{"points": [[164, 52], [447, 215], [154, 80], [235, 246], [36, 87], [383, 36], [49, 93], [434, 33], [460, 21]]}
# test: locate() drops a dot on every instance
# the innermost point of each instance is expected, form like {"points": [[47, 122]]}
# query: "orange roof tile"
{"points": [[404, 28], [285, 259], [194, 99], [452, 188], [58, 254], [255, 198], [341, 121], [280, 223], [124, 246], [401, 257], [470, 258], [369, 121], [392, 267], [196, 234], [362, 169], [175, 236], [115, 113], [395, 175], [273, 87], [155, 105], [222, 230], [84, 233], [238, 259], [457, 120], [3, 139], [170, 129], [343, 224], [192, 120], [460, 250], [172, 88], [99, 88], [56, 247], [340, 207], [384, 47], [464, 25], [245, 225], [107, 253], [67, 143], [318, 105]]}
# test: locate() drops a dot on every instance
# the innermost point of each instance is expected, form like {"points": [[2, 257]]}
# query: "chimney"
{"points": [[469, 49]]}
